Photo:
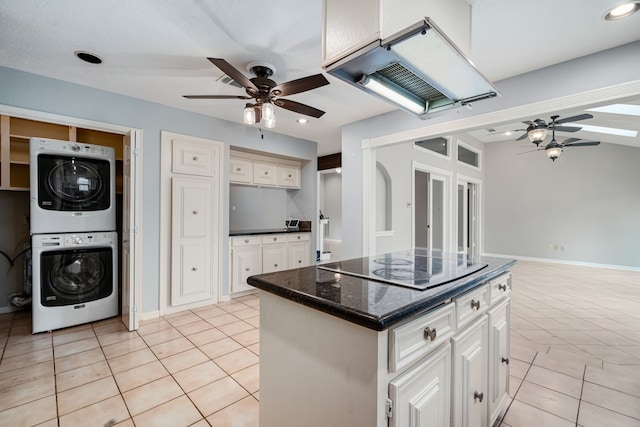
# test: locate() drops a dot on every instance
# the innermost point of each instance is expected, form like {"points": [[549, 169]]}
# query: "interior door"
{"points": [[429, 210], [130, 233], [467, 222]]}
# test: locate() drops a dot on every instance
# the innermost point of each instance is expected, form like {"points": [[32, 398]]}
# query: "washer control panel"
{"points": [[87, 239], [44, 145]]}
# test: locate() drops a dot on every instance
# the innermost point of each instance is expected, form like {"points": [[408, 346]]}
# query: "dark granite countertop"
{"points": [[372, 304], [264, 231]]}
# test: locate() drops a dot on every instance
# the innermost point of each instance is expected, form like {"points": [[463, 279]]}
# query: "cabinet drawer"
{"points": [[288, 176], [298, 237], [240, 170], [418, 337], [245, 241], [274, 238], [499, 287], [264, 172], [192, 158], [471, 305]]}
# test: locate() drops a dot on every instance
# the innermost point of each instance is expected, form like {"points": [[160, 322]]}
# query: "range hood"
{"points": [[419, 69]]}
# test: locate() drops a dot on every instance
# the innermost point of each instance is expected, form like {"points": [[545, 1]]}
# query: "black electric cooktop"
{"points": [[407, 269]]}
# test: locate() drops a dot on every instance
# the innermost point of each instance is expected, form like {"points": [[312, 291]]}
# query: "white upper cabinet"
{"points": [[194, 158], [254, 169]]}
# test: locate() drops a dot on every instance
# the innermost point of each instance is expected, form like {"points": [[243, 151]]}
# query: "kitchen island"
{"points": [[340, 349]]}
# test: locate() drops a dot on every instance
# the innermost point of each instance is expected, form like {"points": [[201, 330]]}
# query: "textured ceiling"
{"points": [[156, 49]]}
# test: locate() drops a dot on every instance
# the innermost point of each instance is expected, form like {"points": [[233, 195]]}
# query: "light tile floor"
{"points": [[575, 361]]}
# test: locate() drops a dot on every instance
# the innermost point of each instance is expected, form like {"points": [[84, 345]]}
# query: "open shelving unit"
{"points": [[15, 133]]}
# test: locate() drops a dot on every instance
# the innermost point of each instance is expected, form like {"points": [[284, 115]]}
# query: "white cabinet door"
{"points": [[240, 170], [246, 261], [298, 254], [498, 384], [274, 257], [470, 376], [191, 239], [288, 176], [264, 172], [421, 396], [194, 158]]}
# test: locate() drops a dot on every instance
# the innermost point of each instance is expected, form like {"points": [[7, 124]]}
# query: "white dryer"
{"points": [[72, 187], [75, 279]]}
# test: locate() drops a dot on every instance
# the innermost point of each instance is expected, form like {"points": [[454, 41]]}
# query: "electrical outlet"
{"points": [[556, 247]]}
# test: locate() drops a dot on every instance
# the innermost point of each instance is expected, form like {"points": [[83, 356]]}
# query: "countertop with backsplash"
{"points": [[305, 227]]}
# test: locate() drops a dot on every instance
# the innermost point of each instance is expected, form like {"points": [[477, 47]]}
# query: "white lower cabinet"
{"points": [[245, 261], [498, 392], [421, 396], [469, 349], [265, 253]]}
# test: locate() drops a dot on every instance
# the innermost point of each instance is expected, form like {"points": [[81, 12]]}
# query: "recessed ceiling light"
{"points": [[622, 10], [625, 109], [608, 131], [508, 133], [88, 57], [302, 121]]}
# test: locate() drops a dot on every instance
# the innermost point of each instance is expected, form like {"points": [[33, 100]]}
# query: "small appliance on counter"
{"points": [[293, 224]]}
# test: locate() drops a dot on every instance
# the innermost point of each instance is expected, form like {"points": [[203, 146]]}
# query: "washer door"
{"points": [[73, 183], [75, 276]]}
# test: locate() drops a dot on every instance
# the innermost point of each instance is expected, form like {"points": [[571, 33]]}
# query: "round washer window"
{"points": [[75, 181], [76, 274]]}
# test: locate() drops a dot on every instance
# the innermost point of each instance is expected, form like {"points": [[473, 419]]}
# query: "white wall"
{"points": [[588, 201]]}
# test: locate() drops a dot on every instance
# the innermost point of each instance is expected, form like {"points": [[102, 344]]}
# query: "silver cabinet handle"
{"points": [[275, 239], [298, 237], [246, 240], [275, 265], [194, 268], [238, 169], [475, 304], [247, 269], [195, 158], [430, 334], [266, 172], [195, 212], [477, 397], [299, 261], [289, 175], [503, 288], [505, 360]]}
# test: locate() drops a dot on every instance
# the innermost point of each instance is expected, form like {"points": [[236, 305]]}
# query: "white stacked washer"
{"points": [[74, 242]]}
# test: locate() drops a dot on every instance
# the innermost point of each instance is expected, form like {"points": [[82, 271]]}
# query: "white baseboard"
{"points": [[567, 262], [150, 315]]}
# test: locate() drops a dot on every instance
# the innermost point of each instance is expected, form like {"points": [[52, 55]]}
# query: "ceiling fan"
{"points": [[554, 148], [537, 129], [266, 93]]}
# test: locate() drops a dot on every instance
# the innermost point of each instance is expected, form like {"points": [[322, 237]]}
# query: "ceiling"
{"points": [[156, 49]]}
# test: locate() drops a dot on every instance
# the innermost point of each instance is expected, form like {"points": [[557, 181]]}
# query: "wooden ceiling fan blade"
{"points": [[570, 140], [582, 144], [530, 151], [233, 72], [567, 128], [300, 85], [298, 107], [217, 97], [575, 118]]}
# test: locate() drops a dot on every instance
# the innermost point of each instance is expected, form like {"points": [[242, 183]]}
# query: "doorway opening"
{"points": [[430, 209]]}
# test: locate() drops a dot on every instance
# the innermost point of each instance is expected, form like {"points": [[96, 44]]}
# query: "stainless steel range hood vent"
{"points": [[418, 69]]}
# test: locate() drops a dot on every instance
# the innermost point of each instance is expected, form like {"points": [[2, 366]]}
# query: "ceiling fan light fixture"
{"points": [[622, 10], [249, 115], [268, 112], [270, 123], [537, 135], [553, 152]]}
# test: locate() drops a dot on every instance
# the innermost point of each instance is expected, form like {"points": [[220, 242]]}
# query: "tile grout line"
{"points": [[516, 393], [584, 373]]}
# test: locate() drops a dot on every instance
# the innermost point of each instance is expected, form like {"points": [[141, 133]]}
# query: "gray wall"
{"points": [[587, 201], [39, 93], [608, 68], [331, 202], [252, 208]]}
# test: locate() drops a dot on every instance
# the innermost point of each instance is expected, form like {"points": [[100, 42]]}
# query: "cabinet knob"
{"points": [[289, 175], [246, 240], [195, 212], [238, 169], [275, 265], [194, 268], [299, 261], [275, 239], [247, 269], [430, 334], [477, 397], [503, 288], [195, 158], [298, 237], [505, 360], [475, 304], [266, 172]]}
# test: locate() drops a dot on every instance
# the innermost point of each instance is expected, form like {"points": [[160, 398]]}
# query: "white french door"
{"points": [[430, 209]]}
